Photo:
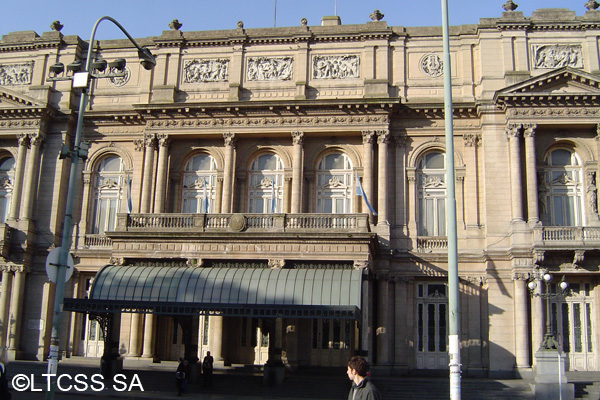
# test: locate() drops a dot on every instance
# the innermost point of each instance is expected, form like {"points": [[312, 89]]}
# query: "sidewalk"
{"points": [[158, 382]]}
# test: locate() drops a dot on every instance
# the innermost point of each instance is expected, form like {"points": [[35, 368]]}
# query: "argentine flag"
{"points": [[361, 192]]}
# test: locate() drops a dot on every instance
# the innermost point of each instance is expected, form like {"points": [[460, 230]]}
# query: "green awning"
{"points": [[260, 292]]}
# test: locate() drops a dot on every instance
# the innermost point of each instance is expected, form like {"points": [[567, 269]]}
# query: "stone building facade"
{"points": [[218, 210]]}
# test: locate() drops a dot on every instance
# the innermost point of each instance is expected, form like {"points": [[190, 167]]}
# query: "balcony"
{"points": [[432, 244], [231, 223], [324, 237], [566, 237]]}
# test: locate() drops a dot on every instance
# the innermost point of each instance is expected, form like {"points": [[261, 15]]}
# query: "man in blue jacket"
{"points": [[362, 388]]}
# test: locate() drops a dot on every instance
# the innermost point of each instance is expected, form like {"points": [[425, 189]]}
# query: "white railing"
{"points": [[556, 235], [432, 243], [251, 222], [92, 240]]}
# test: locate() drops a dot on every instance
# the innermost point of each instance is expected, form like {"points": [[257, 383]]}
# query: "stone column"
{"points": [[148, 173], [219, 195], [148, 348], [472, 217], [521, 320], [134, 335], [161, 174], [215, 342], [228, 172], [15, 205], [399, 175], [411, 205], [385, 321], [367, 182], [383, 138], [298, 139], [4, 304], [531, 173], [513, 131], [16, 311], [33, 164]]}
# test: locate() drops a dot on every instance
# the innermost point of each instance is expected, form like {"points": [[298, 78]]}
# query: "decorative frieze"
{"points": [[270, 68], [20, 123], [557, 56], [432, 65], [555, 112], [336, 67], [208, 70], [292, 121], [476, 280], [16, 74]]}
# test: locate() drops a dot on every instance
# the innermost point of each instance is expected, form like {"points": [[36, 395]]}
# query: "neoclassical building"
{"points": [[220, 205]]}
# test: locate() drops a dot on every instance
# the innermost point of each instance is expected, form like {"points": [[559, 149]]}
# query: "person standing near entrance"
{"points": [[207, 369], [362, 388], [180, 376]]}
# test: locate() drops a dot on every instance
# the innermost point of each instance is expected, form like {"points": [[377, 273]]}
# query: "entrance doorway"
{"points": [[432, 326], [332, 342], [573, 326]]}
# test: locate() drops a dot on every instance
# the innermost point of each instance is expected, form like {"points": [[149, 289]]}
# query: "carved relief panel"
{"points": [[336, 67], [270, 68], [557, 56], [16, 74], [208, 70]]}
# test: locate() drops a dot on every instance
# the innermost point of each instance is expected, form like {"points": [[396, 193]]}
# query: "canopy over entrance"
{"points": [[251, 292]]}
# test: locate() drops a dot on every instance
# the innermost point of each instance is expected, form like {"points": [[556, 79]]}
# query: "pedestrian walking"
{"points": [[180, 376], [207, 369], [362, 388], [4, 392]]}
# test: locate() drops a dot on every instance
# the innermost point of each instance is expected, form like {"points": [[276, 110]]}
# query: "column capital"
{"points": [[149, 139], [529, 130], [368, 136], [476, 280], [383, 136], [472, 139], [401, 140], [36, 139], [10, 267], [229, 138], [298, 138], [513, 130], [139, 144], [276, 263], [520, 276], [163, 139], [22, 139]]}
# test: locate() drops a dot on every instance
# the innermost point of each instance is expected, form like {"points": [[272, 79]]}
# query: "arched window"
{"points": [[199, 182], [109, 193], [334, 184], [431, 189], [7, 178], [266, 184], [561, 190]]}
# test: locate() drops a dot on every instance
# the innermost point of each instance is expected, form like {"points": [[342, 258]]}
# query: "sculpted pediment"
{"points": [[558, 86], [13, 100]]}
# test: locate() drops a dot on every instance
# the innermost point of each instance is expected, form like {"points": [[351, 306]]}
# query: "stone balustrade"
{"points": [[560, 236], [432, 243], [297, 223], [96, 240]]}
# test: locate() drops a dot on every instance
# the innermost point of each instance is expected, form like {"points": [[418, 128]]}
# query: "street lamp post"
{"points": [[549, 341], [550, 379], [81, 78]]}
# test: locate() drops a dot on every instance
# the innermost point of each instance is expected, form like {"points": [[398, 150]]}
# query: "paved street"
{"points": [[158, 382]]}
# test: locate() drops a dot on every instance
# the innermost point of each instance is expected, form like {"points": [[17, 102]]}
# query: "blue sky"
{"points": [[144, 18]]}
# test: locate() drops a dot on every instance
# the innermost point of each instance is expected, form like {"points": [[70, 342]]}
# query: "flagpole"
{"points": [[275, 16]]}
